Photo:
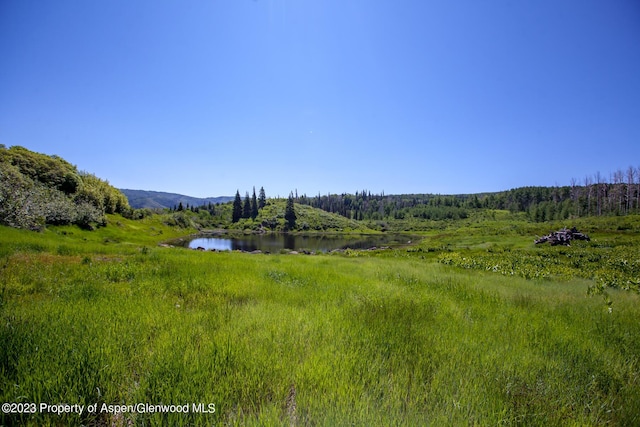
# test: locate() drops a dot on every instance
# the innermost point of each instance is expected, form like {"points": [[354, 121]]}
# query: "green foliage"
{"points": [[137, 213], [272, 218], [609, 260], [540, 204], [36, 189], [60, 209], [52, 171], [182, 219], [101, 195], [21, 200]]}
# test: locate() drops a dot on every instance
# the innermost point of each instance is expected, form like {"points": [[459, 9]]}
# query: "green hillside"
{"points": [[139, 199], [272, 218], [37, 189]]}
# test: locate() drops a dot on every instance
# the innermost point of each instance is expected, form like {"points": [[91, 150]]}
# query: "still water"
{"points": [[276, 242]]}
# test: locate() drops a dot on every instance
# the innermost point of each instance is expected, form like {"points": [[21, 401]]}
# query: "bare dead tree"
{"points": [[589, 187], [598, 179], [618, 182], [638, 189], [575, 195], [631, 173]]}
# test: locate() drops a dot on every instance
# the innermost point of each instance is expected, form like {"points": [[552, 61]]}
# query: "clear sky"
{"points": [[203, 97]]}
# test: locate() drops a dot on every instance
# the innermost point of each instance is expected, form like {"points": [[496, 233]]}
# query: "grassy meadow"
{"points": [[440, 333]]}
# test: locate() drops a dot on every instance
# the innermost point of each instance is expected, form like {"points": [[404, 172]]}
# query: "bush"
{"points": [[131, 213], [59, 209], [51, 171], [179, 219], [88, 216], [21, 200]]}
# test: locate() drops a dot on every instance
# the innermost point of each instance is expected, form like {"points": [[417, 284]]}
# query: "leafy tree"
{"points": [[262, 198], [28, 204], [236, 213], [21, 200], [88, 216], [101, 194], [290, 213], [52, 171], [59, 209]]}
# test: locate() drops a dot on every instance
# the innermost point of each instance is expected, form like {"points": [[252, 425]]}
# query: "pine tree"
{"points": [[237, 208], [246, 207], [262, 199], [290, 213], [254, 205]]}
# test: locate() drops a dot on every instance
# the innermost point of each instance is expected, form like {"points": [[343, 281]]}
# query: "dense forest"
{"points": [[618, 195]]}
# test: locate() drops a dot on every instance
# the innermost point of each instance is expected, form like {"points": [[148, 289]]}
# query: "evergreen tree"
{"points": [[254, 205], [180, 207], [246, 207], [262, 199], [290, 213], [237, 208]]}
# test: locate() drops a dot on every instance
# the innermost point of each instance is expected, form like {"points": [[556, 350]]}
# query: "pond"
{"points": [[277, 242]]}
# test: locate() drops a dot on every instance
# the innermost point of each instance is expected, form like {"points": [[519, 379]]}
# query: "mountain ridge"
{"points": [[160, 200]]}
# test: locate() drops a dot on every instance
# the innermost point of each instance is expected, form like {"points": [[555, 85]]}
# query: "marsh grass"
{"points": [[389, 338]]}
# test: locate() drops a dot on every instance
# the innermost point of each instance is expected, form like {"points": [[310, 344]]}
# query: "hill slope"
{"points": [[160, 200], [38, 189], [272, 217]]}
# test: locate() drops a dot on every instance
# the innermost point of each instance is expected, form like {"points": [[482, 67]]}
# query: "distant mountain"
{"points": [[159, 200]]}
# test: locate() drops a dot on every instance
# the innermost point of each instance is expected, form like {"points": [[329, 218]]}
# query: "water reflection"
{"points": [[311, 243]]}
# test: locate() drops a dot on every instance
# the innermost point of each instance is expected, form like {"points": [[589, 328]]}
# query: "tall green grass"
{"points": [[390, 339]]}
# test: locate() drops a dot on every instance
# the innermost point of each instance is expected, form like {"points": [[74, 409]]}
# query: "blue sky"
{"points": [[203, 97]]}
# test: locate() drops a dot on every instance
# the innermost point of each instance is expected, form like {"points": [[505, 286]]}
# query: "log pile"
{"points": [[562, 237]]}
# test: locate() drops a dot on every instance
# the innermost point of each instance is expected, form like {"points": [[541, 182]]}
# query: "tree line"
{"points": [[617, 194], [363, 205], [595, 195], [249, 207]]}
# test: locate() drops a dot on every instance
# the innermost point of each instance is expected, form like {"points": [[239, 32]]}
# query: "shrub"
{"points": [[59, 209], [88, 216], [21, 200]]}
